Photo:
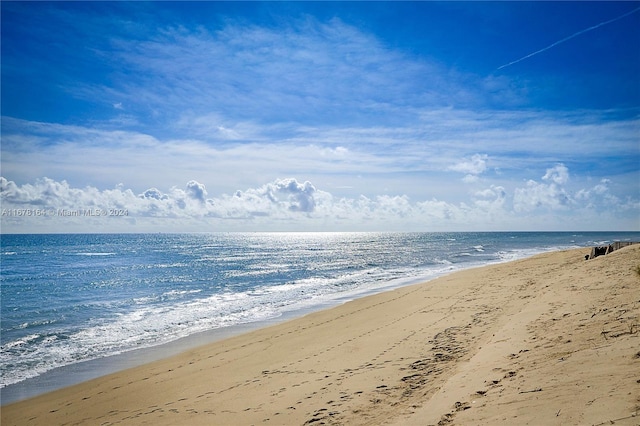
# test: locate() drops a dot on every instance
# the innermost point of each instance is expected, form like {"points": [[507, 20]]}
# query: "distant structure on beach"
{"points": [[602, 250]]}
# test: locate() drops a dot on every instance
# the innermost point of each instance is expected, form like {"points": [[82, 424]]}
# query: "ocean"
{"points": [[72, 304]]}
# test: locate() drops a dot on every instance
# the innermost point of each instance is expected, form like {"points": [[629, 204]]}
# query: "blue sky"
{"points": [[399, 116]]}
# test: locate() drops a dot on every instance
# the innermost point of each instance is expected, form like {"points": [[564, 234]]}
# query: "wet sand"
{"points": [[548, 340]]}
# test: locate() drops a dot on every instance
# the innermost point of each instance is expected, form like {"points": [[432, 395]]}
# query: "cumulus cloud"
{"points": [[287, 201], [196, 190], [492, 192], [602, 187], [297, 196], [281, 194], [289, 204], [600, 194], [558, 174], [476, 165], [473, 167], [45, 192], [154, 193], [550, 195]]}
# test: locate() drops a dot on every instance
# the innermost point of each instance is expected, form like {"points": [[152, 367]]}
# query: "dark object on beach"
{"points": [[602, 250], [532, 390], [598, 251]]}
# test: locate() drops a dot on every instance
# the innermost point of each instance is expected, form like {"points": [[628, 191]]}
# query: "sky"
{"points": [[319, 116]]}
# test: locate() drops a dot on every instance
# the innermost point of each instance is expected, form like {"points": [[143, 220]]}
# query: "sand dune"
{"points": [[549, 340]]}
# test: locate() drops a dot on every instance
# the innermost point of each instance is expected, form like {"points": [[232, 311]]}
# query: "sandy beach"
{"points": [[549, 340]]}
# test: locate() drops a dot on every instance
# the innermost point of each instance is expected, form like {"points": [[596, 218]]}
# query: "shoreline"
{"points": [[414, 352], [79, 372], [83, 371]]}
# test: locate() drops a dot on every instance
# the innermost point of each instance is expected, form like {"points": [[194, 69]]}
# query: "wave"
{"points": [[20, 342], [166, 291]]}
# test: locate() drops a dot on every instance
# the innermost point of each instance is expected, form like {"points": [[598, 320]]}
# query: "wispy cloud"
{"points": [[308, 72], [434, 145], [544, 49]]}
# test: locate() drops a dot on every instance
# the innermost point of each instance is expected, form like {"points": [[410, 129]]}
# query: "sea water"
{"points": [[69, 299]]}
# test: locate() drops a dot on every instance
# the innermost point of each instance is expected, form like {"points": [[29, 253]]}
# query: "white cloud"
{"points": [[474, 166], [492, 192], [536, 195], [288, 204], [541, 195], [436, 143], [298, 196], [306, 71], [196, 190], [285, 195], [602, 187], [470, 179], [492, 202], [558, 174], [600, 195], [154, 193]]}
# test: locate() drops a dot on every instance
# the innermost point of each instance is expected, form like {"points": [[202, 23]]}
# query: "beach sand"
{"points": [[549, 340]]}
